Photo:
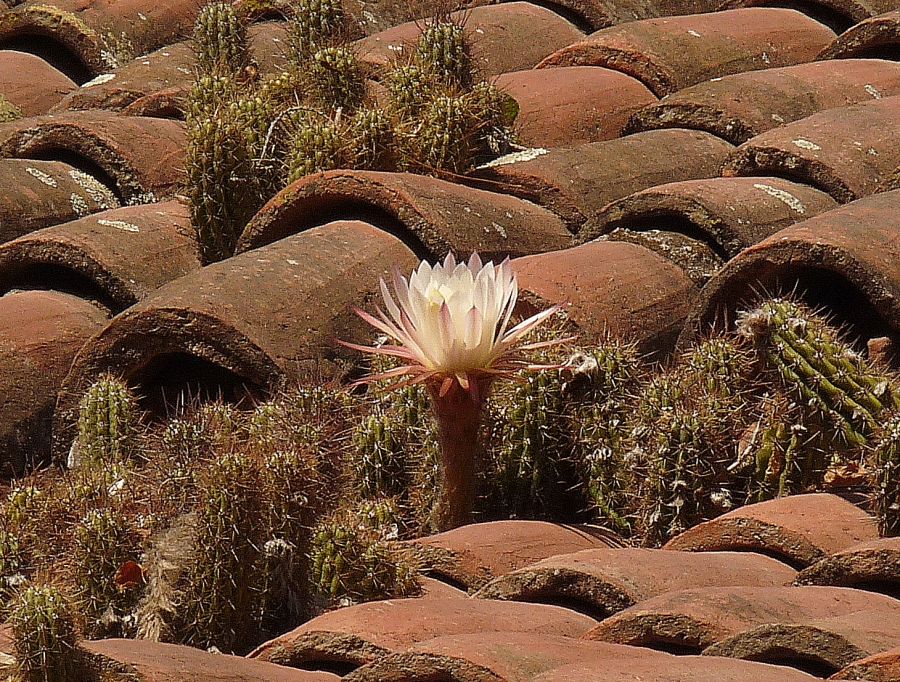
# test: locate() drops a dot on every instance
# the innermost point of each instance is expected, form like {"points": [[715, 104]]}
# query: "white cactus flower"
{"points": [[451, 322]]}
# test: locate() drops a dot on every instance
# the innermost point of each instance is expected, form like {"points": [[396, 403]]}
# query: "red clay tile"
{"points": [[576, 182], [743, 105], [846, 151], [692, 620], [472, 555], [517, 657], [31, 83], [36, 194], [801, 529], [572, 105], [40, 333], [883, 667], [873, 565], [248, 321], [118, 256], [620, 289], [506, 37], [358, 635], [156, 662], [729, 213], [672, 53], [169, 68], [140, 159], [432, 588], [431, 216], [605, 581], [821, 646], [846, 260], [877, 36]]}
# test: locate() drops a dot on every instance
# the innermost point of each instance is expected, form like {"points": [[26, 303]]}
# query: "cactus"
{"points": [[108, 415], [221, 187], [410, 88], [104, 542], [45, 636], [446, 137], [378, 459], [887, 490], [221, 42], [317, 145], [720, 365], [313, 25], [373, 140], [336, 78], [221, 593], [497, 112], [13, 566], [352, 561], [443, 50], [8, 111], [824, 372]]}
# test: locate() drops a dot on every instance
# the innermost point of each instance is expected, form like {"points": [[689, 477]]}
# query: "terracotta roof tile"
{"points": [[743, 105], [845, 260], [572, 105], [672, 53], [847, 151], [575, 182], [139, 159], [872, 37], [801, 529], [675, 669], [692, 620], [360, 634], [430, 215], [604, 581], [882, 667], [873, 565], [30, 83]]}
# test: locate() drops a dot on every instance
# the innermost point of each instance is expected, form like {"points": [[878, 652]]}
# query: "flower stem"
{"points": [[459, 419]]}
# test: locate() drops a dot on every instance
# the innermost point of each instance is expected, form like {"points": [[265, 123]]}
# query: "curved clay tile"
{"points": [[692, 620], [838, 14], [801, 529], [878, 36], [881, 667], [576, 182], [40, 333], [672, 53], [60, 37], [605, 581], [31, 83], [140, 159], [169, 68], [37, 194], [846, 261], [871, 565], [611, 288], [431, 216], [118, 256], [572, 105], [592, 15], [505, 37], [520, 657], [243, 323], [824, 645], [728, 213], [158, 662], [741, 106], [472, 555], [360, 634], [846, 151]]}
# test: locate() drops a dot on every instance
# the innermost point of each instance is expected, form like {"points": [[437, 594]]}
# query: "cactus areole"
{"points": [[449, 324]]}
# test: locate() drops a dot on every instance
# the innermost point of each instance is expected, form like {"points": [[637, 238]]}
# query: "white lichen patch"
{"points": [[95, 189], [694, 33], [119, 225], [765, 58], [778, 119], [498, 228], [100, 80], [787, 198], [142, 198], [43, 177], [516, 157], [872, 90], [806, 144], [79, 205]]}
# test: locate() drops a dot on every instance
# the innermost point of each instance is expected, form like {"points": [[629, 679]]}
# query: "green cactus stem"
{"points": [[336, 78], [447, 136], [221, 41], [108, 418], [887, 461], [410, 88], [319, 144], [372, 133], [45, 637], [315, 24], [443, 49]]}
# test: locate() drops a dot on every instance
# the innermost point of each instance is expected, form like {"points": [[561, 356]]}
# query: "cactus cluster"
{"points": [[318, 144], [443, 50], [108, 418], [45, 637], [372, 133], [221, 41], [336, 78], [315, 24]]}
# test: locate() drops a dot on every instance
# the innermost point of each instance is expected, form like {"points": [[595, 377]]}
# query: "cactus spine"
{"points": [[443, 50], [313, 25], [221, 42], [318, 145], [46, 640], [373, 139], [887, 484], [336, 78], [107, 422]]}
